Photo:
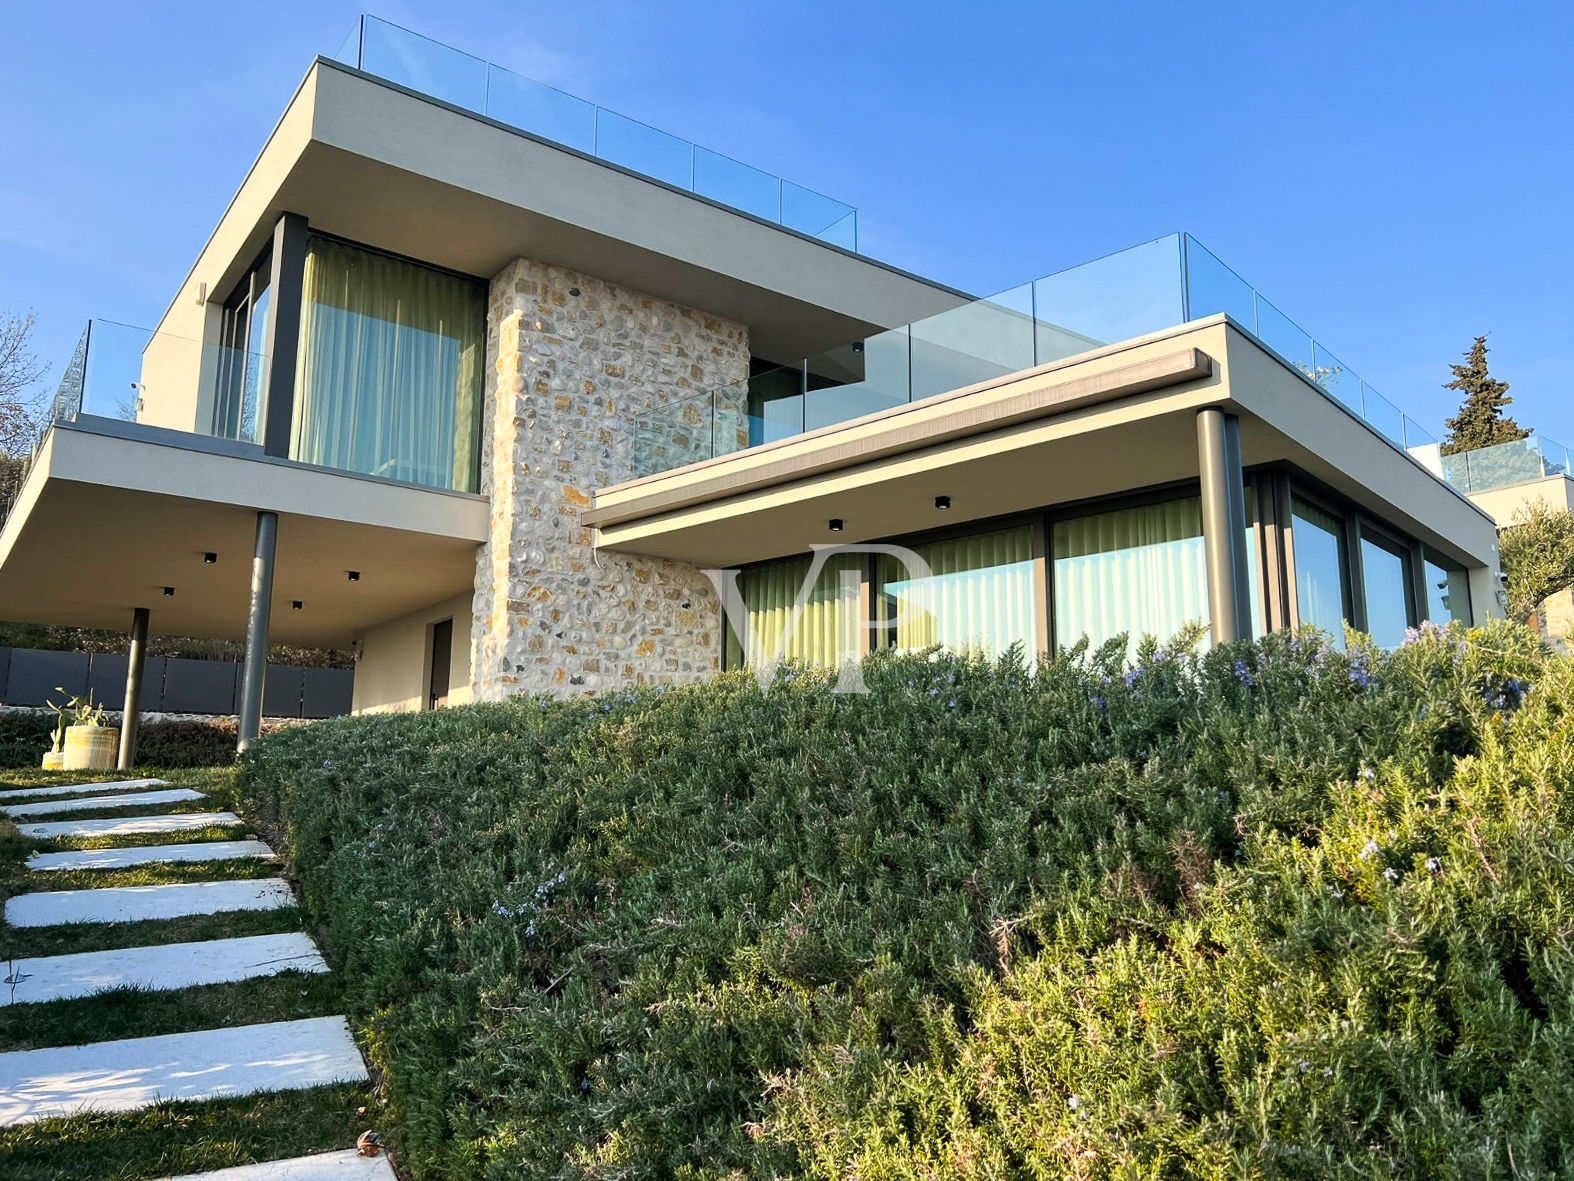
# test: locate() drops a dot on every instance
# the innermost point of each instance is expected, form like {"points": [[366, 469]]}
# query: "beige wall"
{"points": [[1503, 503], [572, 360], [393, 671]]}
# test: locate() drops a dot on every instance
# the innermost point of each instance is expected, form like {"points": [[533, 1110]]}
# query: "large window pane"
{"points": [[1141, 571], [1447, 592], [826, 627], [388, 380], [1387, 577], [1322, 572], [978, 598]]}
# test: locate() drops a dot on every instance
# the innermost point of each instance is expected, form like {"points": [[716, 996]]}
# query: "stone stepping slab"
{"points": [[129, 826], [134, 904], [169, 966], [131, 855], [141, 799], [66, 789], [348, 1165], [210, 1064]]}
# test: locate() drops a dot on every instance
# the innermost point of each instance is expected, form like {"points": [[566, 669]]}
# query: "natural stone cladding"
{"points": [[575, 363]]}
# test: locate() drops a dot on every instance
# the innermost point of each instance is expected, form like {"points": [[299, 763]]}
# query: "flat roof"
{"points": [[368, 160]]}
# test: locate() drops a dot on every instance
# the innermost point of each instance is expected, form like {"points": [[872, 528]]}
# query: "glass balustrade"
{"points": [[1147, 288], [1532, 458], [429, 67]]}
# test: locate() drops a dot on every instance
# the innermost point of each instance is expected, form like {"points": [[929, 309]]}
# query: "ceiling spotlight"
{"points": [[836, 524], [355, 575], [942, 502], [169, 592], [858, 346], [296, 604], [209, 558]]}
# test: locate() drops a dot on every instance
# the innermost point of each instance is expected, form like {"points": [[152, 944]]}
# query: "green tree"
{"points": [[1537, 553], [1480, 421]]}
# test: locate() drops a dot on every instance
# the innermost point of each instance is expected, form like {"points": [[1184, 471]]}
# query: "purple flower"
{"points": [[1244, 674]]}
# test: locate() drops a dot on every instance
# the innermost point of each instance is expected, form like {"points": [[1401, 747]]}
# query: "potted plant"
{"points": [[55, 756], [89, 744]]}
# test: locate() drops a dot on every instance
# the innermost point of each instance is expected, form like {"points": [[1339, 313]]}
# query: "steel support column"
{"points": [[1224, 524], [256, 666], [131, 712]]}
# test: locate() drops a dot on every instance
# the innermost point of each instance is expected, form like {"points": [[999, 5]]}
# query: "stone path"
{"points": [[135, 826], [147, 855], [135, 799], [132, 1073], [169, 965], [67, 789]]}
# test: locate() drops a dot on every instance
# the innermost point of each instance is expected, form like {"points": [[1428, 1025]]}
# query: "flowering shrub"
{"points": [[1276, 910]]}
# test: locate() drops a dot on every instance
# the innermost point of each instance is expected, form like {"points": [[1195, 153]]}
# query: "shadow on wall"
{"points": [[30, 676]]}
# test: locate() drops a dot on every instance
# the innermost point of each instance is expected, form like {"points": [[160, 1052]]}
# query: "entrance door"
{"points": [[442, 654]]}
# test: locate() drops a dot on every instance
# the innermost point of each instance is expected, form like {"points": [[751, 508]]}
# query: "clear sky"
{"points": [[1397, 177]]}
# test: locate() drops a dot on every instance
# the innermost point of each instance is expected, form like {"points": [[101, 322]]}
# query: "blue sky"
{"points": [[1396, 177]]}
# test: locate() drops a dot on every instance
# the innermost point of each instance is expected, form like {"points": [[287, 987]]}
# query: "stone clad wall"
{"points": [[575, 362]]}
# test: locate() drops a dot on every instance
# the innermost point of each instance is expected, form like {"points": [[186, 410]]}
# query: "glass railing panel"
{"points": [[421, 64], [1554, 457], [1212, 287], [819, 216], [972, 343], [642, 148], [1495, 467], [540, 109], [349, 51], [671, 435], [1384, 416], [1114, 298], [721, 178], [67, 402], [1416, 435], [864, 377], [775, 405], [1335, 377], [1284, 336]]}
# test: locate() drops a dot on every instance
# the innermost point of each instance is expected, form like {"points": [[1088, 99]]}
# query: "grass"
{"points": [[170, 1138], [135, 1012], [177, 1138]]}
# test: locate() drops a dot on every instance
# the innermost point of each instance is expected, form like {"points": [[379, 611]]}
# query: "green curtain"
{"points": [[1141, 571], [979, 598], [827, 626], [388, 376]]}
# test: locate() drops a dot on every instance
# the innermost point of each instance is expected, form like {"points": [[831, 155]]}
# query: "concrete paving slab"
{"points": [[133, 904], [127, 826], [136, 799], [328, 1166], [165, 967], [66, 789], [210, 1064], [147, 855]]}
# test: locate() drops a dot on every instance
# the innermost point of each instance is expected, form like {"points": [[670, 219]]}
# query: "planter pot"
{"points": [[54, 760], [91, 748]]}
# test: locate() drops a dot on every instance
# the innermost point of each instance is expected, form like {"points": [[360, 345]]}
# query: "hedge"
{"points": [[165, 745], [1277, 910]]}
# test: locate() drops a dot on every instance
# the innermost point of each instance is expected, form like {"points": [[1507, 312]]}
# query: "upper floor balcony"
{"points": [[1146, 289]]}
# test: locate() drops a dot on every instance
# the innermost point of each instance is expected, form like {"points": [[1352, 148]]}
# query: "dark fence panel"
{"points": [[199, 687], [327, 692], [281, 691], [106, 679], [36, 677]]}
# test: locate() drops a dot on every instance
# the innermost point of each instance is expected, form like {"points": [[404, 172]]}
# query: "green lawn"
{"points": [[171, 1138]]}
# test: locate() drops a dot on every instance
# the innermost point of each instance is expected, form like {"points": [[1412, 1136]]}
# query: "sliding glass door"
{"points": [[979, 598]]}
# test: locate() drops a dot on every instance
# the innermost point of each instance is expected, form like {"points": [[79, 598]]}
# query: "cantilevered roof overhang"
{"points": [[112, 513], [1109, 421], [368, 160]]}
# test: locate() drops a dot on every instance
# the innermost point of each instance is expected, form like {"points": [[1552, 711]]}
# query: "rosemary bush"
{"points": [[1278, 910]]}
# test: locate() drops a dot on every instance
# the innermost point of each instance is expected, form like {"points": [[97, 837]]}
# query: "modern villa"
{"points": [[480, 380]]}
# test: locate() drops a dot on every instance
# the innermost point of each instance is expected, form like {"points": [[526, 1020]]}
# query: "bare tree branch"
{"points": [[20, 372]]}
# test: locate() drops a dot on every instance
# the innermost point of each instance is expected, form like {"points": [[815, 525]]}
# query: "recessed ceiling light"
{"points": [[296, 604], [942, 502], [836, 524], [169, 592], [209, 558], [355, 575]]}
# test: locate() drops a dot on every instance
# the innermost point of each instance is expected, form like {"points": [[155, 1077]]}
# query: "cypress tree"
{"points": [[1480, 421]]}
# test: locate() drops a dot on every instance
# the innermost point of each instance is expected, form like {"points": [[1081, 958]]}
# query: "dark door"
{"points": [[442, 653]]}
